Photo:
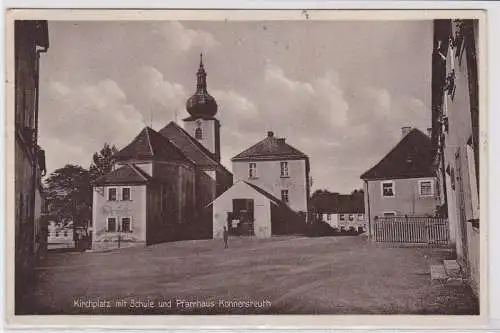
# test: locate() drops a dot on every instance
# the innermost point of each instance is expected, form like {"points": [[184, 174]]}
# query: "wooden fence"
{"points": [[412, 229]]}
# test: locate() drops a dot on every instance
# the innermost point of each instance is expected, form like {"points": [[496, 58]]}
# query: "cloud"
{"points": [[185, 39], [381, 101], [311, 106], [153, 96], [84, 117], [343, 107]]}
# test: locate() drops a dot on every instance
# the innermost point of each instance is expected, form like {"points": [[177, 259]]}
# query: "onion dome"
{"points": [[201, 104]]}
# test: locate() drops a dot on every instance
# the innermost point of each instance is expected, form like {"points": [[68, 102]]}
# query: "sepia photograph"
{"points": [[246, 167]]}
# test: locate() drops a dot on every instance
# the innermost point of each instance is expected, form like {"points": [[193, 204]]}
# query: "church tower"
{"points": [[202, 107]]}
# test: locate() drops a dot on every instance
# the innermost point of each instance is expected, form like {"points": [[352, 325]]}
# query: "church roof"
{"points": [[126, 174], [271, 148], [412, 157], [150, 145], [193, 149]]}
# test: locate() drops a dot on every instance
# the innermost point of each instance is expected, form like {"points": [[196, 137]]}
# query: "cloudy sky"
{"points": [[338, 91]]}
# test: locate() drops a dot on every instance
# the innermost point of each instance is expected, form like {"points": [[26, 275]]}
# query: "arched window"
{"points": [[198, 134]]}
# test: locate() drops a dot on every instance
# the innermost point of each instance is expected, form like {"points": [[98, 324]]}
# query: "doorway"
{"points": [[242, 218]]}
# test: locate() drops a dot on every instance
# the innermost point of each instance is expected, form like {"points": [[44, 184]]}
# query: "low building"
{"points": [[60, 236], [346, 213], [248, 210], [404, 181]]}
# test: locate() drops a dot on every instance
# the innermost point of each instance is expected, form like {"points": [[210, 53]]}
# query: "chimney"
{"points": [[405, 130], [270, 134], [429, 132]]}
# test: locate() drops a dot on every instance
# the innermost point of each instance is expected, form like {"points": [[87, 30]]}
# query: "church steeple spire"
{"points": [[201, 86], [201, 104]]}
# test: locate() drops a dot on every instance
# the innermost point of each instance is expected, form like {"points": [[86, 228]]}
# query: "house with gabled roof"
{"points": [[246, 209], [147, 197], [277, 167], [271, 192], [404, 181], [162, 181], [345, 212]]}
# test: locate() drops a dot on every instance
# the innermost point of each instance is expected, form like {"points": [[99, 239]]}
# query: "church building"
{"points": [[163, 180]]}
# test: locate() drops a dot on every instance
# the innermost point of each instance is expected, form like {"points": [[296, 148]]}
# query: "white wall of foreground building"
{"points": [[224, 204]]}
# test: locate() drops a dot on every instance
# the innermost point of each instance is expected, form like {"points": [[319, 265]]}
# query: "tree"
{"points": [[102, 161], [70, 195]]}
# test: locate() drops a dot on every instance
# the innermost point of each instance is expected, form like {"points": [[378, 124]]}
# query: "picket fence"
{"points": [[412, 230]]}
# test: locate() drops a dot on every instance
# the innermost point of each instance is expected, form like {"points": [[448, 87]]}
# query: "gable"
{"points": [[127, 174], [412, 157], [150, 145], [241, 187]]}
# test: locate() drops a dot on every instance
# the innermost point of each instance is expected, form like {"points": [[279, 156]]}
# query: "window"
{"points": [[388, 189], [351, 217], [112, 194], [329, 217], [425, 188], [342, 217], [361, 217], [284, 195], [388, 214], [111, 224], [126, 194], [126, 225], [198, 133], [284, 169], [252, 170]]}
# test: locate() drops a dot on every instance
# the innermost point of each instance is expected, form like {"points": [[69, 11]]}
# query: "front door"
{"points": [[461, 204], [243, 213]]}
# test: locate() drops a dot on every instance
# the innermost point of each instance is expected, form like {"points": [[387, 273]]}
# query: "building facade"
{"points": [[345, 212], [404, 182], [162, 181], [455, 116], [248, 210], [278, 168], [31, 39]]}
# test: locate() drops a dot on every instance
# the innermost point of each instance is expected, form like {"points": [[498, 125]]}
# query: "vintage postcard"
{"points": [[246, 168]]}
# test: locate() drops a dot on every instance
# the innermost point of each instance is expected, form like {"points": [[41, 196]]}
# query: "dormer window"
{"points": [[198, 133]]}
